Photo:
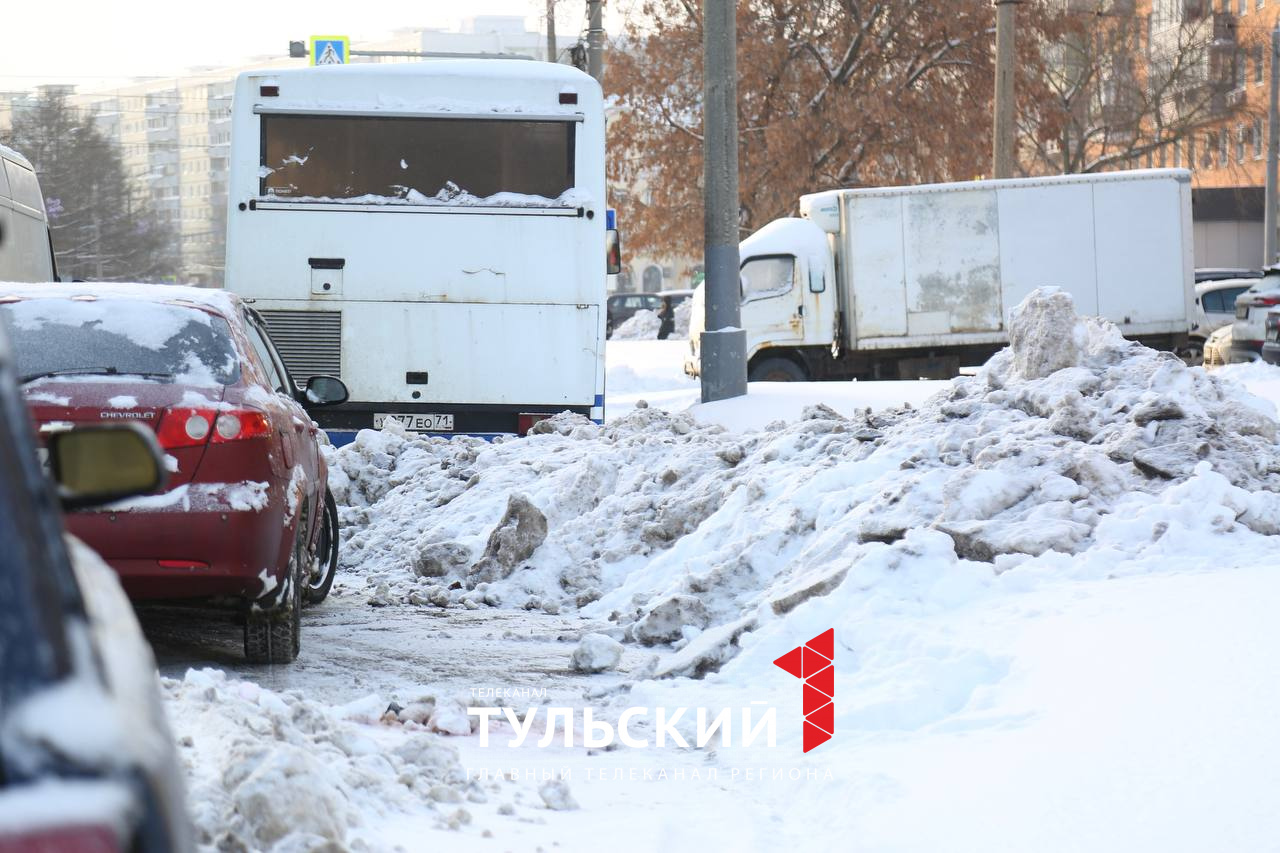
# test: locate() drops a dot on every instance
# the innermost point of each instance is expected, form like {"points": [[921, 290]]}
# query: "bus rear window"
{"points": [[414, 159]]}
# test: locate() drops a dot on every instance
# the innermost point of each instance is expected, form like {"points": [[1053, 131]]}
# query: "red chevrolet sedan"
{"points": [[246, 512]]}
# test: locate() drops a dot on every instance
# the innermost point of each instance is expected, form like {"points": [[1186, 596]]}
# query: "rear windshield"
{"points": [[121, 336], [422, 160]]}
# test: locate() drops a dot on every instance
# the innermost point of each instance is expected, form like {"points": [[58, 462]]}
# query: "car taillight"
{"points": [[1264, 301], [80, 839], [194, 427], [239, 424], [184, 428]]}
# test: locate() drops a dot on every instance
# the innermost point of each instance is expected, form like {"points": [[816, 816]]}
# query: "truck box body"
{"points": [[931, 273], [924, 264]]}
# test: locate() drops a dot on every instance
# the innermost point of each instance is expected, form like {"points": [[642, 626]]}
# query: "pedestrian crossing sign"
{"points": [[330, 50]]}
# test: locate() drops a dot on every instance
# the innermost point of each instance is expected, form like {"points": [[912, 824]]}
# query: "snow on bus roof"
{"points": [[219, 301], [494, 69]]}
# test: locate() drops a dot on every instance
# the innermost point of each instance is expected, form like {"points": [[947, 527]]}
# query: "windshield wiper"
{"points": [[92, 371]]}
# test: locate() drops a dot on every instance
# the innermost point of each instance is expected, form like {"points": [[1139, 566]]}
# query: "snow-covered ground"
{"points": [[1052, 586], [653, 371]]}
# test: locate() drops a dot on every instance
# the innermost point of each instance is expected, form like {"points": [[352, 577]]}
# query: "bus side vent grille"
{"points": [[310, 342]]}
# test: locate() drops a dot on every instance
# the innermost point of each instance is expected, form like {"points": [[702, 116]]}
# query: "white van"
{"points": [[26, 249]]}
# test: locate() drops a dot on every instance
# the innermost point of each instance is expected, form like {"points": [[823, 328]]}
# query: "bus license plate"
{"points": [[416, 422]]}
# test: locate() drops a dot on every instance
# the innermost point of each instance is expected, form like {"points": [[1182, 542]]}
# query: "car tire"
{"points": [[275, 636], [324, 565], [1191, 353], [777, 370]]}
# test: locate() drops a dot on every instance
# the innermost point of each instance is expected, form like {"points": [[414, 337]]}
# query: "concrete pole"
{"points": [[551, 31], [1005, 141], [723, 343], [595, 39], [1273, 153]]}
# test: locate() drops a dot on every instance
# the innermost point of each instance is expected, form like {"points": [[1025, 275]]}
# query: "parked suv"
{"points": [[86, 758], [247, 513], [1252, 306]]}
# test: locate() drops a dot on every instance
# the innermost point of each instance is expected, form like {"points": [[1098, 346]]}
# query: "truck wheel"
{"points": [[274, 636], [325, 563], [777, 370]]}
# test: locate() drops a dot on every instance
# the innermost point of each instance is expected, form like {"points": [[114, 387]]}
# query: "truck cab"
{"points": [[787, 286]]}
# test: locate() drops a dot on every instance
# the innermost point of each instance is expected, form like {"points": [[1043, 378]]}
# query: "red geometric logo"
{"points": [[814, 663]]}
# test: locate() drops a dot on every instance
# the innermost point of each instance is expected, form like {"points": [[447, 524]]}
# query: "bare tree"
{"points": [[101, 228], [831, 93]]}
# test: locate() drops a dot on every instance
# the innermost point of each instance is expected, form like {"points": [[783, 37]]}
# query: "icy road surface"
{"points": [[352, 650]]}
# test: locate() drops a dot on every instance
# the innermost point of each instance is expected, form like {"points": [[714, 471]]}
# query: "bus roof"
{"points": [[494, 69]]}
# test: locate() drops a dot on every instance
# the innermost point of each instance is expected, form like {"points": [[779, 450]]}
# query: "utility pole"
{"points": [[1005, 131], [595, 39], [723, 347], [551, 31], [1273, 153]]}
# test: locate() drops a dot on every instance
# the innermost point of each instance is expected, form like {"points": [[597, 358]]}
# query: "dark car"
{"points": [[1271, 338], [86, 758], [247, 513], [623, 306]]}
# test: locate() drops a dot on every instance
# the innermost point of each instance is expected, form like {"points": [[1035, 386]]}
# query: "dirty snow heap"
{"points": [[1072, 444]]}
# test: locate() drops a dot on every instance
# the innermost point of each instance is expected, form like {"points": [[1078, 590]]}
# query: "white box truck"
{"points": [[910, 282]]}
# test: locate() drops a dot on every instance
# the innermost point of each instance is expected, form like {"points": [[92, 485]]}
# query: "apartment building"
{"points": [[1226, 152]]}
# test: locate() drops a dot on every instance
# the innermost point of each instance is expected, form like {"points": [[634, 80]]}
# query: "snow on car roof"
{"points": [[218, 301]]}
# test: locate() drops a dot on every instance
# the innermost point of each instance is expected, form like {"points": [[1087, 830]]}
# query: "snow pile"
{"points": [[275, 771], [1073, 446], [640, 326], [596, 653]]}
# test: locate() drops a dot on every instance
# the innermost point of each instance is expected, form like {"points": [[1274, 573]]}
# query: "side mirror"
{"points": [[612, 252], [100, 464], [324, 391]]}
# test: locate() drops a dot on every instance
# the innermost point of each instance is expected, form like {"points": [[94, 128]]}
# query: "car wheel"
{"points": [[275, 635], [777, 370], [324, 565], [1192, 353]]}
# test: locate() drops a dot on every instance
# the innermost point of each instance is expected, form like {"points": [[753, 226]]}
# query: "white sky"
{"points": [[94, 42]]}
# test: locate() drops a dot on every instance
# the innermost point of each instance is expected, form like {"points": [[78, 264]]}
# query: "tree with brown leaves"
{"points": [[832, 93]]}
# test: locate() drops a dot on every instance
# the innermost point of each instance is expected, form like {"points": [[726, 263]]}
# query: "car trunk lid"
{"points": [[165, 408]]}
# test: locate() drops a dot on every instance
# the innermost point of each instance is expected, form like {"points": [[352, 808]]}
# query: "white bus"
{"points": [[434, 233]]}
